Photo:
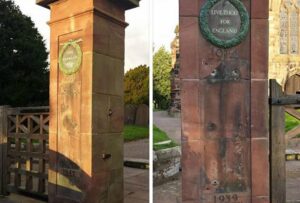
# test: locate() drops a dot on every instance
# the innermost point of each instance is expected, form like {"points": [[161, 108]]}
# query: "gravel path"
{"points": [[137, 149], [171, 125]]}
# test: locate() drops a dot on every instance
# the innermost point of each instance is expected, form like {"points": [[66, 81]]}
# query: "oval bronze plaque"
{"points": [[224, 23], [70, 58]]}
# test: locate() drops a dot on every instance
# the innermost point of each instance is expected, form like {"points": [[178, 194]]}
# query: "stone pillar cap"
{"points": [[127, 4]]}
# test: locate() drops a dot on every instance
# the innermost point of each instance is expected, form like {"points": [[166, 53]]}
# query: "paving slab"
{"points": [[171, 125], [137, 149], [136, 189], [169, 192], [293, 181]]}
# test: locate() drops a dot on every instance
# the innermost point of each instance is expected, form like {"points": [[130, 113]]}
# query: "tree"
{"points": [[136, 84], [24, 76], [162, 65]]}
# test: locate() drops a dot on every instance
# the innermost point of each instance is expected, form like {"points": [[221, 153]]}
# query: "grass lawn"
{"points": [[290, 123], [156, 110], [133, 132], [160, 136]]}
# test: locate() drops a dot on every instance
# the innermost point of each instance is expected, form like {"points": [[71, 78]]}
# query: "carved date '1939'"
{"points": [[227, 198]]}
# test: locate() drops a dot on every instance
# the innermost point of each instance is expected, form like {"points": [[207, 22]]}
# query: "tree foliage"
{"points": [[136, 83], [162, 65], [24, 77]]}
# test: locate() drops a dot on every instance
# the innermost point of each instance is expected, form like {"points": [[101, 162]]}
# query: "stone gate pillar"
{"points": [[86, 99], [224, 66]]}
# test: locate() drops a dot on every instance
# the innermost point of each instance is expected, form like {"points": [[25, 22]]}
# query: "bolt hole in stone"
{"points": [[106, 156], [235, 72], [110, 112], [211, 126], [215, 183], [213, 73]]}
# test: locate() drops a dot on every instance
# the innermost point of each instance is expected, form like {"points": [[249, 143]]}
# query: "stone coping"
{"points": [[136, 163], [128, 4], [166, 165]]}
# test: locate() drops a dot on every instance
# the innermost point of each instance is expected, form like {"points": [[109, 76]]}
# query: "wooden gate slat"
{"points": [[277, 147], [293, 112], [26, 164], [292, 133]]}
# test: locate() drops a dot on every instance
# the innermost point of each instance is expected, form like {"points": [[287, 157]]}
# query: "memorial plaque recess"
{"points": [[224, 23], [70, 57]]}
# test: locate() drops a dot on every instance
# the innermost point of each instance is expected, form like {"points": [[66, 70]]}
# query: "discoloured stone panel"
{"points": [[260, 167], [259, 44], [228, 89], [260, 9], [226, 112], [259, 109]]}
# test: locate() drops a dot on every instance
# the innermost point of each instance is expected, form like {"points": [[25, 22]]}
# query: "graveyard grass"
{"points": [[134, 132], [290, 123], [160, 136]]}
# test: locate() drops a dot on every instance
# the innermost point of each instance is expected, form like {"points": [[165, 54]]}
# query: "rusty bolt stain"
{"points": [[106, 156], [235, 72], [211, 126], [110, 112], [215, 183], [214, 73]]}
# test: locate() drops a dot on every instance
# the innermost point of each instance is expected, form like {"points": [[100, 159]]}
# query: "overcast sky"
{"points": [[137, 33], [165, 19]]}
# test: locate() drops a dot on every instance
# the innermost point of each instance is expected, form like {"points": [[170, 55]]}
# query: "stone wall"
{"points": [[284, 58], [175, 104], [136, 115], [166, 164]]}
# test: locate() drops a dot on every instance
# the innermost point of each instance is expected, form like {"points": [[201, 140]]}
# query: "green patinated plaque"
{"points": [[224, 23], [70, 57]]}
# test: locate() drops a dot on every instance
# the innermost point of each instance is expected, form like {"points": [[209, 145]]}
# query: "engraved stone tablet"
{"points": [[284, 26], [70, 58], [225, 23], [224, 20]]}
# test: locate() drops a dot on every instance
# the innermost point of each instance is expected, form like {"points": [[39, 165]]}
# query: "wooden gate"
{"points": [[280, 104], [24, 141]]}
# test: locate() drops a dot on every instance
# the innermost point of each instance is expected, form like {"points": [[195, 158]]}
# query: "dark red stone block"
{"points": [[260, 200], [259, 109], [189, 55], [226, 166], [210, 64], [259, 47], [260, 9], [226, 109], [192, 172], [260, 167], [190, 115], [210, 57], [213, 168], [190, 7]]}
